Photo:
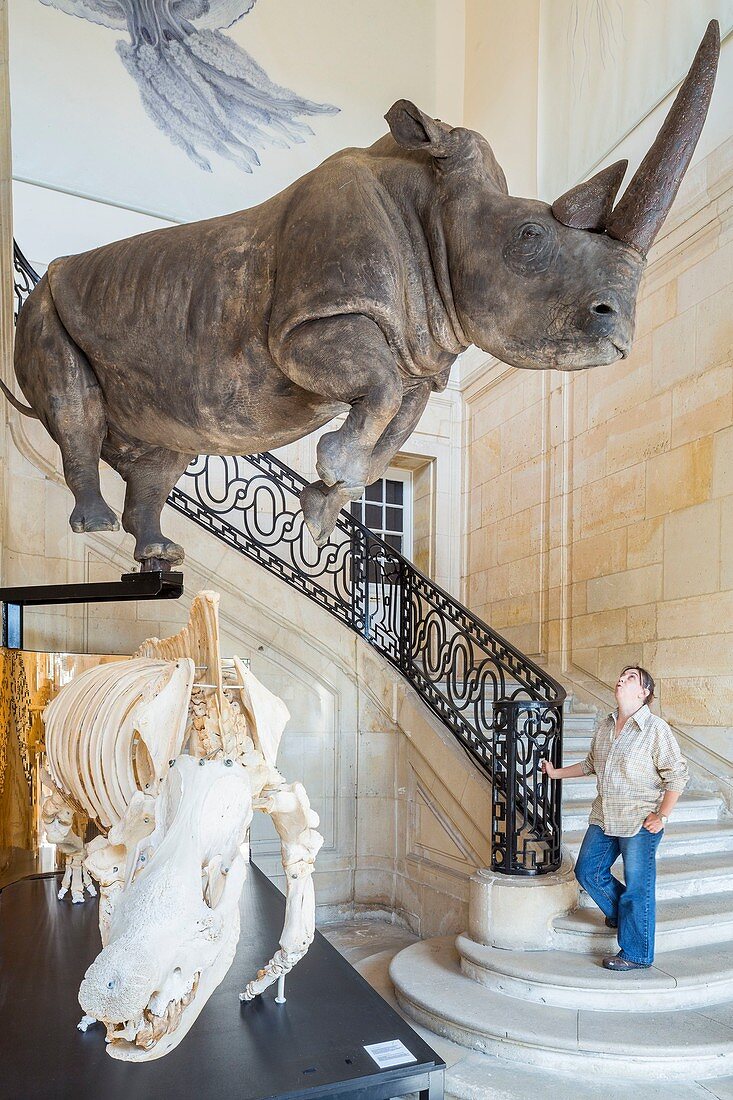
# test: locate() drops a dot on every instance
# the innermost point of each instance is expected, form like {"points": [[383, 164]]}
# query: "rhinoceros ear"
{"points": [[413, 129]]}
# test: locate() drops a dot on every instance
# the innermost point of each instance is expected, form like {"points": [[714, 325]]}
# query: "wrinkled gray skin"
{"points": [[354, 289]]}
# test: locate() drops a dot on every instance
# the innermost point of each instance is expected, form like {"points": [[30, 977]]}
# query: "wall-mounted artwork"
{"points": [[206, 93]]}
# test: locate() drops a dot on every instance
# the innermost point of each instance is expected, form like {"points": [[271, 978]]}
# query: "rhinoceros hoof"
{"points": [[94, 517], [318, 512], [166, 551]]}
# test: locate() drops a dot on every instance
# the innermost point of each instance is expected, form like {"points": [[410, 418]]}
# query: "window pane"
{"points": [[356, 509], [376, 491], [395, 541], [395, 519], [394, 492], [373, 516]]}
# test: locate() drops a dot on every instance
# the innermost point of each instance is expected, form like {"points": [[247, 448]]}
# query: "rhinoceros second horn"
{"points": [[589, 204]]}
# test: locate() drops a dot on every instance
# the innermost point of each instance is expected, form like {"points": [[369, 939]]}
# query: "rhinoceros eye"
{"points": [[530, 249]]}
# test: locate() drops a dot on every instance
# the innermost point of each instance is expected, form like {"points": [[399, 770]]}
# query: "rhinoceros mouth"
{"points": [[622, 349], [149, 1028]]}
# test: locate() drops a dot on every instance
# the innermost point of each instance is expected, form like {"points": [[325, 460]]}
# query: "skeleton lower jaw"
{"points": [[149, 1028]]}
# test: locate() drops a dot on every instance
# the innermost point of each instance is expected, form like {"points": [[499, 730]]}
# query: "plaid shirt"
{"points": [[634, 770]]}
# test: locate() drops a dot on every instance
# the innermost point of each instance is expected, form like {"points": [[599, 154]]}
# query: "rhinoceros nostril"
{"points": [[602, 308]]}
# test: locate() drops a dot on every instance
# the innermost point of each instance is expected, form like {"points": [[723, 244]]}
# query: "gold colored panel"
{"points": [[28, 681]]}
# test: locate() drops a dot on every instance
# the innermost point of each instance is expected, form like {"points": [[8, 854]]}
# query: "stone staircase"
{"points": [[559, 1011]]}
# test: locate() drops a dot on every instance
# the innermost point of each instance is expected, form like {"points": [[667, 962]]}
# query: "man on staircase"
{"points": [[641, 773]]}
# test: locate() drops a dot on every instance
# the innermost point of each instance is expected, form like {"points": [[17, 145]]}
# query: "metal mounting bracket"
{"points": [[154, 584]]}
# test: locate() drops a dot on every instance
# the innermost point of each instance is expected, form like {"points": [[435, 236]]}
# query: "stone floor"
{"points": [[370, 945]]}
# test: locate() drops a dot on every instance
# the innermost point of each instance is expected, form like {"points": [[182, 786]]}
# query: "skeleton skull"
{"points": [[174, 930]]}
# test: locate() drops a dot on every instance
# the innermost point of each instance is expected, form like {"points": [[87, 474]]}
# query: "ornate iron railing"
{"points": [[24, 280], [503, 708]]}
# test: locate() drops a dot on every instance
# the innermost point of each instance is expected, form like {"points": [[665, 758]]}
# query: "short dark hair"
{"points": [[646, 678]]}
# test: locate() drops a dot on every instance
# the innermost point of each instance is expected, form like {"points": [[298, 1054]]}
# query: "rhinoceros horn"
{"points": [[589, 205], [639, 215]]}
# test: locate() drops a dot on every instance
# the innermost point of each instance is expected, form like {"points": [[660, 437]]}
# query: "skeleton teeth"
{"points": [[152, 1028]]}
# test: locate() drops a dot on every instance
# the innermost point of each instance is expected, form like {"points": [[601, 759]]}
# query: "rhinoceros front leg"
{"points": [[399, 429], [344, 359], [321, 504], [150, 476]]}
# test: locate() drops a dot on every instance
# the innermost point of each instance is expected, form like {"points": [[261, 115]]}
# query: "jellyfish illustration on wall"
{"points": [[198, 86]]}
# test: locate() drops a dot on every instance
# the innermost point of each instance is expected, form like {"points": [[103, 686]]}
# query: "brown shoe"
{"points": [[611, 923], [617, 962]]}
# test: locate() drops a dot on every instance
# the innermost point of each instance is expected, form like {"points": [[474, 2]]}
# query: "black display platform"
{"points": [[312, 1046]]}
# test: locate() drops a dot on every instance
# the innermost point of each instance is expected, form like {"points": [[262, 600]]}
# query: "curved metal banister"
{"points": [[24, 280], [503, 708]]}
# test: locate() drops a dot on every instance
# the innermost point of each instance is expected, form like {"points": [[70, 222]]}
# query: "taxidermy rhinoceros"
{"points": [[354, 289]]}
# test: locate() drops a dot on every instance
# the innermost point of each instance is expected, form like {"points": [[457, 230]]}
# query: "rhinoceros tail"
{"points": [[25, 409]]}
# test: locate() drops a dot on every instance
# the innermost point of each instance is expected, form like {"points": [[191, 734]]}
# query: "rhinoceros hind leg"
{"points": [[150, 476], [321, 506], [57, 378]]}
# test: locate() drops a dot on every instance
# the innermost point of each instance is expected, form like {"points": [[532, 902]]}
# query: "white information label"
{"points": [[393, 1053]]}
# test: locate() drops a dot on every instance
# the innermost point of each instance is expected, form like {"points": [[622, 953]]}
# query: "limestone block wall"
{"points": [[599, 503]]}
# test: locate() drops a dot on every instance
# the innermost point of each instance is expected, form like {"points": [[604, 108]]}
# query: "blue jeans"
{"points": [[633, 905]]}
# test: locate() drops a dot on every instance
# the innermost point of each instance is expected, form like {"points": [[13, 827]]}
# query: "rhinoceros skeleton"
{"points": [[170, 757]]}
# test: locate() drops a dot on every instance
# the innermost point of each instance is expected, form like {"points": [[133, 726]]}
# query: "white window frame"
{"points": [[398, 473]]}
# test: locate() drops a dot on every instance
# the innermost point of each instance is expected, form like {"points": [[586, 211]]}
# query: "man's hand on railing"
{"points": [[573, 771]]}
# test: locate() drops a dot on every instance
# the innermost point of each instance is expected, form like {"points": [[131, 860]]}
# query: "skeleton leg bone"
{"points": [[296, 824], [77, 881], [65, 881]]}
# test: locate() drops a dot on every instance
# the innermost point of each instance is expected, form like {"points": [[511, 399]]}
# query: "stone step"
{"points": [[685, 877], [691, 807], [681, 1045], [680, 838], [681, 922], [471, 1075], [575, 705], [692, 978], [578, 725], [573, 790], [480, 1076], [573, 755], [576, 743]]}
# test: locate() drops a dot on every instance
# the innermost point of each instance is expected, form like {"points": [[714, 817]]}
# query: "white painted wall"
{"points": [[79, 125], [606, 74], [501, 75]]}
